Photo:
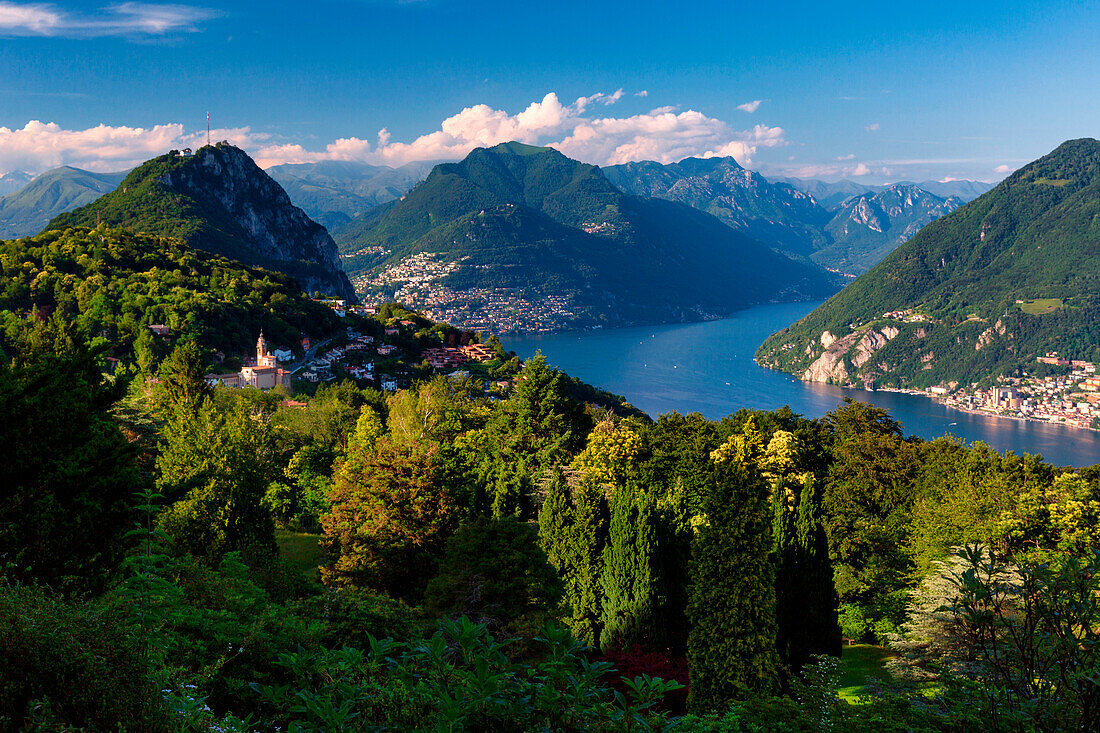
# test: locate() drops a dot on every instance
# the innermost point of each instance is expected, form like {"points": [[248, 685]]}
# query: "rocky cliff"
{"points": [[220, 201]]}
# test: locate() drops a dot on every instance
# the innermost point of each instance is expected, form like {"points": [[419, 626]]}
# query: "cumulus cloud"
{"points": [[1003, 169], [872, 127], [663, 134], [38, 146], [861, 170], [750, 107], [581, 130], [122, 19]]}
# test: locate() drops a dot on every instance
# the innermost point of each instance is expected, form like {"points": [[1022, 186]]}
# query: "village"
{"points": [[389, 360], [1072, 399]]}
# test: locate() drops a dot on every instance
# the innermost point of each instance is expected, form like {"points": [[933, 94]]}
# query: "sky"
{"points": [[873, 92]]}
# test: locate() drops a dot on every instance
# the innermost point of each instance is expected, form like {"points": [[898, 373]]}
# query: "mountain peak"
{"points": [[218, 200]]}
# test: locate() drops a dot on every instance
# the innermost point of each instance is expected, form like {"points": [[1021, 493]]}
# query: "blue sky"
{"points": [[870, 91]]}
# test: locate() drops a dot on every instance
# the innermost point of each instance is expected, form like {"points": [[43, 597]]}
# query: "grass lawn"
{"points": [[300, 551], [1039, 306], [859, 663]]}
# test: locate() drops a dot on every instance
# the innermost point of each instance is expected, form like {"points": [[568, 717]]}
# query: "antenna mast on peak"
{"points": [[207, 128]]}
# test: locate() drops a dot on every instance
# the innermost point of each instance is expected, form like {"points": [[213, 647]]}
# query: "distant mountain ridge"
{"points": [[220, 201], [741, 198], [28, 210], [13, 181], [977, 293], [531, 222], [333, 192], [857, 228]]}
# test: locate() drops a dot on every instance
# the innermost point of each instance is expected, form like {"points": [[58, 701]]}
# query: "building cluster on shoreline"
{"points": [[1071, 399], [418, 282]]}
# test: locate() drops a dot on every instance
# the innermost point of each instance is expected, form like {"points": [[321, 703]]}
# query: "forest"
{"points": [[176, 557]]}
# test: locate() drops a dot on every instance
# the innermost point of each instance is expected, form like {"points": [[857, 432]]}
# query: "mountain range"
{"points": [[980, 292], [13, 181], [832, 194], [517, 227], [27, 210], [333, 192], [855, 227], [218, 200]]}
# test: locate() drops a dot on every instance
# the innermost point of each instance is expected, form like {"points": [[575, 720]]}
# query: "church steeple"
{"points": [[261, 349]]}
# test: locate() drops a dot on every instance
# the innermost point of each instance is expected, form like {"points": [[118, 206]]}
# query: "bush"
{"points": [[68, 665]]}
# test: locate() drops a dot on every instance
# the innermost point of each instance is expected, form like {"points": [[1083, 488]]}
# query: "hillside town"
{"points": [[389, 361], [419, 282], [1071, 399]]}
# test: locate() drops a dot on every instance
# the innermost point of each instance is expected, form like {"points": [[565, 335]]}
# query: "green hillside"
{"points": [[28, 210], [220, 201], [975, 275], [112, 284], [532, 221]]}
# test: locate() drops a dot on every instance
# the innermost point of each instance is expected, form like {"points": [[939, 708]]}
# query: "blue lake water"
{"points": [[709, 368]]}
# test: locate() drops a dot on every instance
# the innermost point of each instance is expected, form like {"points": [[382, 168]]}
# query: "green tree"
{"points": [[732, 643], [628, 579], [391, 514], [182, 377], [215, 465], [68, 473], [494, 572]]}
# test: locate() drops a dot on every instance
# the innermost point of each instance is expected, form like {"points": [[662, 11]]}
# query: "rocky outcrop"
{"points": [[276, 233], [854, 350]]}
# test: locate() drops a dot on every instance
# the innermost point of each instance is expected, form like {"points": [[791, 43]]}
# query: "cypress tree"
{"points": [[732, 643], [573, 532], [627, 580], [806, 599]]}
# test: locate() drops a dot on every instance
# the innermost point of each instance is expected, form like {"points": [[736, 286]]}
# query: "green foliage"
{"points": [[69, 665], [68, 472], [732, 644], [494, 572], [117, 283], [629, 576], [215, 465]]}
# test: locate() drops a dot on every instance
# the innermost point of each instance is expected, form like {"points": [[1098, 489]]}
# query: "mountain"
{"points": [[743, 199], [56, 191], [218, 200], [829, 195], [13, 181], [517, 237], [334, 192], [832, 194], [849, 238], [965, 190], [980, 292], [868, 226]]}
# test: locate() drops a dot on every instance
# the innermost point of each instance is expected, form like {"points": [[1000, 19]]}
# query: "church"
{"points": [[264, 374]]}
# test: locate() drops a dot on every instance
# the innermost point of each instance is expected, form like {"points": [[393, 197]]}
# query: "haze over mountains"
{"points": [[333, 192], [982, 291], [28, 210], [220, 201]]}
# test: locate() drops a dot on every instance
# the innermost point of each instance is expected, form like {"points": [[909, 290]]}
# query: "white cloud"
{"points": [[40, 145], [662, 134], [849, 156], [1003, 169], [750, 107], [665, 134], [872, 127], [642, 93], [861, 170], [122, 19]]}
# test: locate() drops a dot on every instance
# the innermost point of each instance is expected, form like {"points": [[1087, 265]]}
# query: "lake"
{"points": [[709, 368]]}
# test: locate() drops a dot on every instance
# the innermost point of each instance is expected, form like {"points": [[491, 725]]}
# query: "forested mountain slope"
{"points": [[963, 292]]}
